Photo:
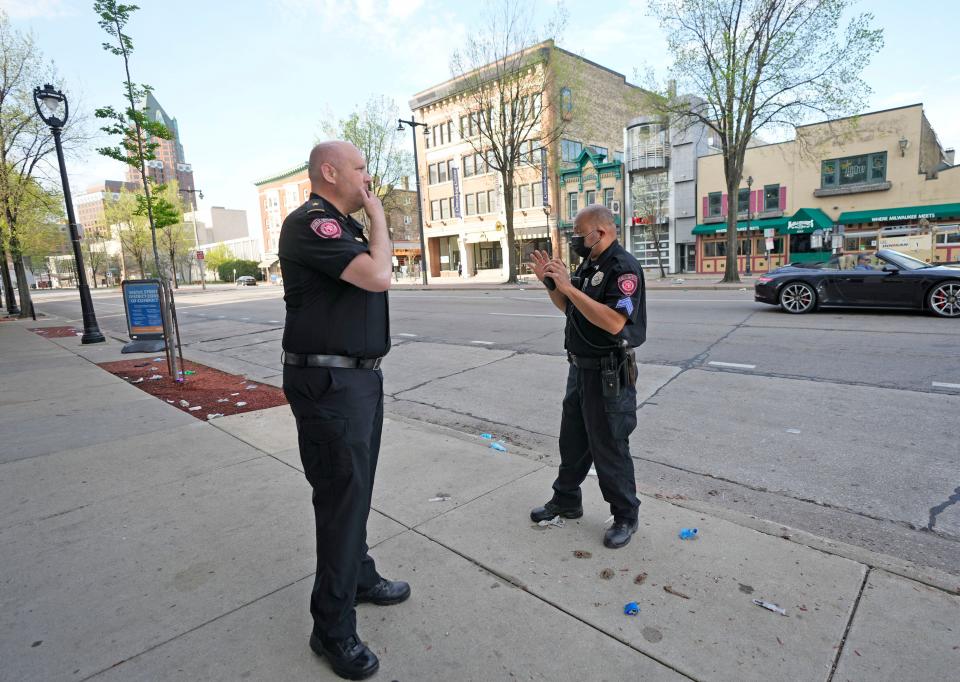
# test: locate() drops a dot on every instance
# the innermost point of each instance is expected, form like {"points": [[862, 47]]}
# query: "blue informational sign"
{"points": [[142, 300], [543, 175], [455, 172]]}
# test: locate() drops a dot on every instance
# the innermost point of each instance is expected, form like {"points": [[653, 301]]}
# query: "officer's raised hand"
{"points": [[373, 207], [539, 260], [557, 270]]}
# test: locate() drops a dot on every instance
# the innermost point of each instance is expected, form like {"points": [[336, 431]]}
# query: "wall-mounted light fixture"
{"points": [[904, 143]]}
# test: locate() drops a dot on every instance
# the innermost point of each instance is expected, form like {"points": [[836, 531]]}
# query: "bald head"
{"points": [[596, 217], [338, 173]]}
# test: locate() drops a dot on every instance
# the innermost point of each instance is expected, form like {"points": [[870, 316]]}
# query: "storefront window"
{"points": [[714, 249], [854, 170], [524, 252], [486, 255]]}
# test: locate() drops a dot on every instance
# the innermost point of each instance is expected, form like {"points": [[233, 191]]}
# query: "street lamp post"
{"points": [[748, 246], [53, 109], [196, 235], [416, 174]]}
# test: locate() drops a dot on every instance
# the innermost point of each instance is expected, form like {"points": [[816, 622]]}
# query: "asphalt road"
{"points": [[840, 423]]}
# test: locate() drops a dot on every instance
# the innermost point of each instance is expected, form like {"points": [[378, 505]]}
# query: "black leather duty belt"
{"points": [[583, 363], [313, 360]]}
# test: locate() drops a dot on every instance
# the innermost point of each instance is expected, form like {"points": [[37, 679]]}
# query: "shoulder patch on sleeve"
{"points": [[627, 283], [326, 228]]}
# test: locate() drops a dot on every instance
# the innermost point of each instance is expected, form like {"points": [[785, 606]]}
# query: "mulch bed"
{"points": [[56, 332], [210, 392]]}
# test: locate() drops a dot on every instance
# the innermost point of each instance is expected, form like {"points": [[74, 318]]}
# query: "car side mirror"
{"points": [[890, 268]]}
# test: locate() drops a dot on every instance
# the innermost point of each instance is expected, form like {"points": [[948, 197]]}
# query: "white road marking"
{"points": [[273, 321], [412, 336], [939, 384], [734, 365], [244, 319], [483, 343], [523, 315]]}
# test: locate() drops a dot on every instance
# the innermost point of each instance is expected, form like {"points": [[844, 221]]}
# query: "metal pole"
{"points": [[196, 240], [91, 330], [413, 123]]}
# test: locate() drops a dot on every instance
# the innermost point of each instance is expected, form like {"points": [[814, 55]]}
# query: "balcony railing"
{"points": [[650, 156]]}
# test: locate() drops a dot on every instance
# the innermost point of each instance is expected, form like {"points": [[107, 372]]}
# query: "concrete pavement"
{"points": [[139, 543]]}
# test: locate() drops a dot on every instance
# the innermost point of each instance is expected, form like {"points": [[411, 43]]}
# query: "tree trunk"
{"points": [[511, 239], [26, 302], [730, 273], [173, 268], [10, 300]]}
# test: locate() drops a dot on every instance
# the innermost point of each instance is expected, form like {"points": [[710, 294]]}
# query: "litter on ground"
{"points": [[155, 377], [631, 609], [214, 415], [241, 404], [499, 447], [441, 497], [488, 436], [688, 533], [770, 607], [555, 521], [184, 403], [196, 407]]}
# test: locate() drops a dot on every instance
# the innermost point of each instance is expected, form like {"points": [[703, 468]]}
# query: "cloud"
{"points": [[35, 9]]}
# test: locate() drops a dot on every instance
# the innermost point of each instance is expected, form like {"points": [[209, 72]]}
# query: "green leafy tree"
{"points": [[168, 210], [25, 144], [132, 229], [243, 268], [217, 256], [755, 65], [138, 134], [373, 130]]}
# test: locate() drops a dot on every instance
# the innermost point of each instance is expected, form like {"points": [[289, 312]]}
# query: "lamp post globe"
{"points": [[54, 110]]}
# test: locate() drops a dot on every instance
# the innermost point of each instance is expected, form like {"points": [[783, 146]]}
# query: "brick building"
{"points": [[465, 224], [91, 205]]}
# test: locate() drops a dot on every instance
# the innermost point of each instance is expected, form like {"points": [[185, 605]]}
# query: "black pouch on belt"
{"points": [[610, 376]]}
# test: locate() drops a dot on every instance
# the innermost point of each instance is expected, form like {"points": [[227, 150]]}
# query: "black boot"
{"points": [[349, 657], [619, 533], [384, 593], [549, 510]]}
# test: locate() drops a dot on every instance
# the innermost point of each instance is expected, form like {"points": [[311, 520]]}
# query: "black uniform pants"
{"points": [[339, 416], [596, 430]]}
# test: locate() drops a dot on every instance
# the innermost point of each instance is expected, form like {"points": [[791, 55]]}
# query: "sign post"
{"points": [[143, 302]]}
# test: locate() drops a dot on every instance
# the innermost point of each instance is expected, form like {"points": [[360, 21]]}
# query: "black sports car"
{"points": [[885, 279]]}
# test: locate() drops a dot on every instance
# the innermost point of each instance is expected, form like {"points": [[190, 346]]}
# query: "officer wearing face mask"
{"points": [[605, 305]]}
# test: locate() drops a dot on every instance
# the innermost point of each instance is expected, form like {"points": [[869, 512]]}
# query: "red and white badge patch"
{"points": [[328, 229], [628, 283]]}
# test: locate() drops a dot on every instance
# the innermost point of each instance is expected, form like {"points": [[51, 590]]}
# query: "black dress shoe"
{"points": [[384, 593], [619, 533], [549, 510], [350, 658]]}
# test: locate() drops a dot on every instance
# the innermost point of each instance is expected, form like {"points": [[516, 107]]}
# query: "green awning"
{"points": [[889, 215], [807, 220], [766, 223]]}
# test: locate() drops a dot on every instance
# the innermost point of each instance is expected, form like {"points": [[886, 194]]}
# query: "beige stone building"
{"points": [[585, 107], [878, 180]]}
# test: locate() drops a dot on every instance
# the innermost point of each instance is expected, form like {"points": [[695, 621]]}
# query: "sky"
{"points": [[250, 82]]}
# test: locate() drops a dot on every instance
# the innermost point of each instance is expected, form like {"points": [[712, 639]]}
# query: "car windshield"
{"points": [[903, 261]]}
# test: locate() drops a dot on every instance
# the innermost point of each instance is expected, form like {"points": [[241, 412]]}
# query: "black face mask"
{"points": [[579, 247]]}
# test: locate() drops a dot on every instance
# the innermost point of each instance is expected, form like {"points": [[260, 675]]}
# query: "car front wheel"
{"points": [[797, 298], [944, 299]]}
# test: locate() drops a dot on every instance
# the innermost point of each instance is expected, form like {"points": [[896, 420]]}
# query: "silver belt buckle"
{"points": [[376, 363]]}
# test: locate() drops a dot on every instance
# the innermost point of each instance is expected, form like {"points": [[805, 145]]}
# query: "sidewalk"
{"points": [[139, 543], [680, 282]]}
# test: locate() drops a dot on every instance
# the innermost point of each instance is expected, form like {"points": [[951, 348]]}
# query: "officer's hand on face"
{"points": [[372, 205], [539, 260], [558, 271]]}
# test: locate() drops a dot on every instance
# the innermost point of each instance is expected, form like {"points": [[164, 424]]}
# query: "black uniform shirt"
{"points": [[615, 279], [325, 314]]}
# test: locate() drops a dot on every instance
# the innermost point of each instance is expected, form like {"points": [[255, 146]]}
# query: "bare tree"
{"points": [[373, 130], [506, 74], [757, 65], [650, 195]]}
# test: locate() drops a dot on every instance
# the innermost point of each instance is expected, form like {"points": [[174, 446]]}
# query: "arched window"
{"points": [[566, 100]]}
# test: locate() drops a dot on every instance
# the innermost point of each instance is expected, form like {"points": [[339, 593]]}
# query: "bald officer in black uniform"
{"points": [[605, 304], [336, 332]]}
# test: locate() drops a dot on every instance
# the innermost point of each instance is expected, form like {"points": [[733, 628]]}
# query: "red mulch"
{"points": [[206, 388], [56, 332]]}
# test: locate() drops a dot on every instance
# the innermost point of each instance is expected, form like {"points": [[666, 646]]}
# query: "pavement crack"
{"points": [[846, 632], [942, 507], [483, 420], [447, 376]]}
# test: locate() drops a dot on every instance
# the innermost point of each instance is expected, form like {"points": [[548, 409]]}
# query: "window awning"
{"points": [[889, 215], [807, 220], [712, 228], [268, 262]]}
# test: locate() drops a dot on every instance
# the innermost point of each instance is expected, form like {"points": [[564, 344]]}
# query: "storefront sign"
{"points": [[142, 299], [769, 244], [903, 216], [769, 232], [799, 226], [455, 175]]}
